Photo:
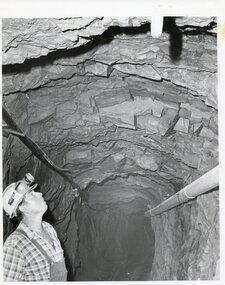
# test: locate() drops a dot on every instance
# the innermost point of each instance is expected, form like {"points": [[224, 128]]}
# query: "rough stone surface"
{"points": [[182, 125], [32, 38], [194, 22], [194, 240], [144, 64], [120, 115]]}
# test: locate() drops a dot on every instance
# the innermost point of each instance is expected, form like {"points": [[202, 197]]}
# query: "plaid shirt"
{"points": [[23, 261]]}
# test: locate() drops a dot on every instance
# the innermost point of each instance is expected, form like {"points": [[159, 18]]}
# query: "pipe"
{"points": [[206, 182], [36, 150], [6, 133], [156, 26]]}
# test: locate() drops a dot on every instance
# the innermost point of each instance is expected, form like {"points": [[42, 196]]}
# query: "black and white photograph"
{"points": [[110, 148]]}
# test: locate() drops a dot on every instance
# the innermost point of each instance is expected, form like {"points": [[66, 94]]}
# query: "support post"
{"points": [[203, 184]]}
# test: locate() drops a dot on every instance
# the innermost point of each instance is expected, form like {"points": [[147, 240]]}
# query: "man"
{"points": [[33, 251]]}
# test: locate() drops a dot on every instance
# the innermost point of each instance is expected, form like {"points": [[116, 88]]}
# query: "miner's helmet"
{"points": [[11, 200], [14, 194]]}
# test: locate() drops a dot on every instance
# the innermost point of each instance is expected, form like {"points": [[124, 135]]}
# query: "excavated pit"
{"points": [[134, 119]]}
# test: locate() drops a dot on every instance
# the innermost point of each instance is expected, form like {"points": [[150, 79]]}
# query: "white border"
{"points": [[116, 8]]}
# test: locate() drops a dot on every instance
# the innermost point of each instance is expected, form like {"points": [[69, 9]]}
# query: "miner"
{"points": [[33, 251]]}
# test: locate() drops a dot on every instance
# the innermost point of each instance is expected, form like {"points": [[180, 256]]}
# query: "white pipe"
{"points": [[156, 26], [206, 182]]}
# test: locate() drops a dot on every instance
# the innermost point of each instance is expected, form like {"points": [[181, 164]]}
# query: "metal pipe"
{"points": [[203, 184], [156, 26], [36, 150], [6, 132]]}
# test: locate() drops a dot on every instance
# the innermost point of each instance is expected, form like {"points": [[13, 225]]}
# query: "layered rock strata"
{"points": [[119, 111]]}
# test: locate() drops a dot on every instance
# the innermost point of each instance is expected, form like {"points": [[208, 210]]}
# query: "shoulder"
{"points": [[49, 227], [16, 240]]}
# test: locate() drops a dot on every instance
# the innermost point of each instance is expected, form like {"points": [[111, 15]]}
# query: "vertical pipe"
{"points": [[156, 26]]}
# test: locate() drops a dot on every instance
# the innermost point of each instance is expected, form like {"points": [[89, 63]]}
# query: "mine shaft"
{"points": [[114, 121]]}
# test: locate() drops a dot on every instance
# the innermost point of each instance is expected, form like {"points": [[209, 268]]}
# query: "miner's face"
{"points": [[33, 202]]}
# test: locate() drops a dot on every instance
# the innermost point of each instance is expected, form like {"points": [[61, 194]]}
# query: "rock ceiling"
{"points": [[101, 94], [32, 38]]}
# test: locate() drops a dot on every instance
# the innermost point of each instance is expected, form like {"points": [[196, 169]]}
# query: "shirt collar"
{"points": [[30, 233]]}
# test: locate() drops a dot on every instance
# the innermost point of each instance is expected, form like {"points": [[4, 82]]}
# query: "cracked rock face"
{"points": [[134, 123]]}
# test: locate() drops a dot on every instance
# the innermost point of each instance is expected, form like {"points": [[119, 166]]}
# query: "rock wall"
{"points": [[120, 113], [195, 243]]}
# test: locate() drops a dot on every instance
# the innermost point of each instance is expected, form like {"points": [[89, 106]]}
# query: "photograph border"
{"points": [[124, 8]]}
